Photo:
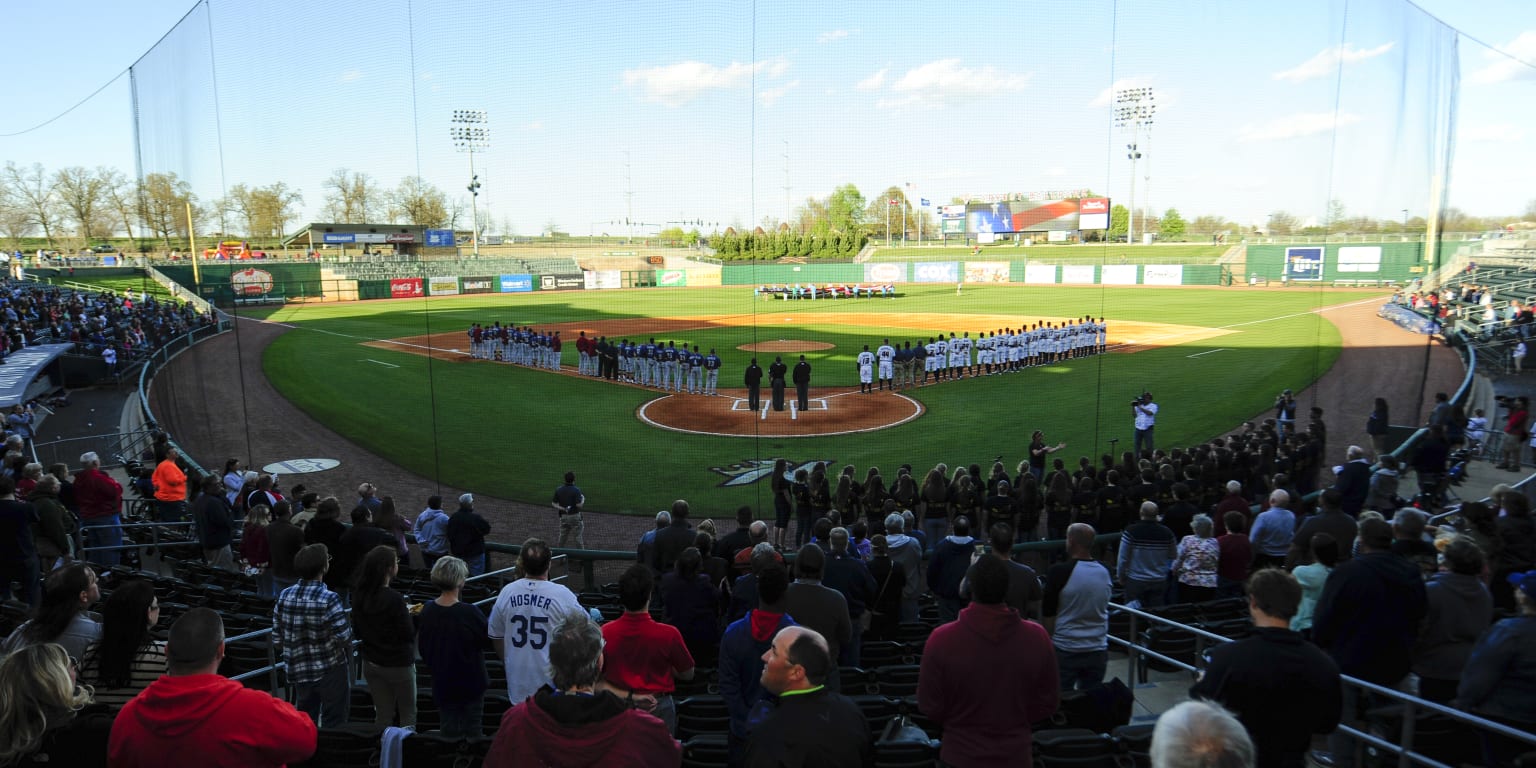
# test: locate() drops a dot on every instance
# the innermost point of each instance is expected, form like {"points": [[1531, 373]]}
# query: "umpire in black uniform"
{"points": [[754, 385], [802, 377], [776, 380]]}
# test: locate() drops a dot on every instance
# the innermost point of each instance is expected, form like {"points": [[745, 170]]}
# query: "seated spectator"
{"points": [[388, 639], [1460, 610], [452, 640], [1199, 735], [643, 656], [127, 658], [39, 698], [1499, 681], [572, 722], [62, 617], [806, 723], [194, 711]]}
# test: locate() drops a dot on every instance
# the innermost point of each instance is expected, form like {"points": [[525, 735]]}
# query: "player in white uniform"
{"points": [[1103, 332], [940, 357], [866, 362], [887, 356], [523, 619]]}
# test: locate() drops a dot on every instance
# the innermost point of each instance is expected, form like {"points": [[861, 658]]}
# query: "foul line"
{"points": [[1209, 351], [380, 362], [1193, 331], [428, 348]]}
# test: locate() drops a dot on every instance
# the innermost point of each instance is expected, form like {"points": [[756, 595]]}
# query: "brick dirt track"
{"points": [[216, 402]]}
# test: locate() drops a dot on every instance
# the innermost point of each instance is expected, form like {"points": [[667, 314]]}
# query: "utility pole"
{"points": [[629, 200], [786, 182]]}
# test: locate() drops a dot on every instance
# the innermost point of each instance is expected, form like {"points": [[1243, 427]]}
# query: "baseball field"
{"points": [[395, 377]]}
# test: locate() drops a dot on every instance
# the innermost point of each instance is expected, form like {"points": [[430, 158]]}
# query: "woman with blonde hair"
{"points": [[38, 693]]}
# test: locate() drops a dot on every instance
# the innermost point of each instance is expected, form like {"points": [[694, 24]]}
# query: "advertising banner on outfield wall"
{"points": [[671, 278], [885, 273], [1360, 258], [443, 286], [1039, 273], [516, 283], [597, 280], [952, 226], [1118, 274], [1162, 274], [405, 287], [986, 271], [1304, 263], [483, 284], [1077, 274], [936, 272], [562, 282], [439, 238]]}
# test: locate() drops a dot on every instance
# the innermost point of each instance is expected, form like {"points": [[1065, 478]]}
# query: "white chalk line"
{"points": [[380, 362], [1195, 331], [1209, 351]]}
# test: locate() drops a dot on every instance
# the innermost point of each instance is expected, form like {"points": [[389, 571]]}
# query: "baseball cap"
{"points": [[1525, 582]]}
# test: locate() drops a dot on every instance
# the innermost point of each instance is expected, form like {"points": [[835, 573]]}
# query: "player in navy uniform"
{"points": [[711, 373], [695, 371]]}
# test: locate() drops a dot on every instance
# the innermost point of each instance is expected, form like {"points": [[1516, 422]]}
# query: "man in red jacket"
{"points": [[575, 723], [101, 504], [194, 711], [986, 676]]}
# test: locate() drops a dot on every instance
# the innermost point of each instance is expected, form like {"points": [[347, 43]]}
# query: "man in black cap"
{"points": [[776, 380], [754, 381], [802, 377]]}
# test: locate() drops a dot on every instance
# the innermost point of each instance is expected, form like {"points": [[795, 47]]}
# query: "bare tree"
{"points": [[416, 201], [122, 195], [82, 192], [15, 220], [276, 205], [241, 202], [351, 197], [165, 202], [33, 190]]}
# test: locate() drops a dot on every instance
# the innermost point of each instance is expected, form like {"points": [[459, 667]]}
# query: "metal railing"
{"points": [[110, 447], [154, 532], [1412, 705]]}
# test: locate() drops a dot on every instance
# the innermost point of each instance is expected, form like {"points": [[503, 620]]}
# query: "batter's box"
{"points": [[812, 404]]}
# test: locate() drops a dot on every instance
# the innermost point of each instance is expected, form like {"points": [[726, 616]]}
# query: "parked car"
{"points": [[104, 248]]}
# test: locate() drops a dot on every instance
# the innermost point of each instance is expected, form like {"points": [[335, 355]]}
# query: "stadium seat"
{"points": [[361, 708], [700, 715], [855, 680], [430, 750], [1176, 644], [897, 680], [908, 707], [1135, 742], [878, 710], [1222, 609], [354, 746], [703, 678], [705, 751], [908, 754], [1072, 742], [881, 653]]}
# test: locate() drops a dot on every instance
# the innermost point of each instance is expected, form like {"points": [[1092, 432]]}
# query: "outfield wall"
{"points": [[1039, 272], [1399, 262]]}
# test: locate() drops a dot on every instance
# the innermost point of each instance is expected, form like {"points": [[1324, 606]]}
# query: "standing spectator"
{"points": [[193, 710], [432, 531], [310, 627], [691, 602], [1499, 681], [354, 545], [326, 526], [742, 649], [1377, 425], [641, 655], [54, 527], [568, 501], [1331, 520], [645, 551], [1516, 534], [388, 640], [1195, 734], [524, 613], [1515, 433], [847, 573], [63, 615], [466, 532], [1273, 531], [256, 550], [101, 502], [39, 697], [816, 606], [392, 523], [1313, 577], [170, 487], [368, 496], [907, 555], [215, 524], [452, 640], [1518, 355], [807, 723], [127, 658], [1233, 501], [890, 582], [1198, 558], [1281, 687], [1367, 619], [986, 725], [946, 569], [20, 422], [18, 545], [1147, 548], [1353, 481], [1076, 610], [728, 545], [1459, 610], [673, 539], [284, 540], [233, 481], [577, 722], [1024, 594], [1382, 496]]}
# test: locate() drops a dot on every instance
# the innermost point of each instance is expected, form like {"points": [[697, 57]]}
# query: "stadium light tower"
{"points": [[471, 132], [1134, 108]]}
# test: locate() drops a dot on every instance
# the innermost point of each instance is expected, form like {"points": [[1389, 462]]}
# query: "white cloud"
{"points": [[873, 82], [769, 95], [351, 75], [834, 35], [677, 84], [1328, 60], [1106, 96], [1295, 126], [944, 80], [1502, 67], [1490, 132]]}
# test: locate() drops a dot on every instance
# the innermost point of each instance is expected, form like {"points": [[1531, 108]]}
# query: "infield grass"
{"points": [[507, 431]]}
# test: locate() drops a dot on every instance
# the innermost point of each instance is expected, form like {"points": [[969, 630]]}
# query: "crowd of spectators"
{"points": [[94, 322]]}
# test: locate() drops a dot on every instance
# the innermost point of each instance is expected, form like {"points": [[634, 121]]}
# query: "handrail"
{"points": [[1405, 753], [147, 373]]}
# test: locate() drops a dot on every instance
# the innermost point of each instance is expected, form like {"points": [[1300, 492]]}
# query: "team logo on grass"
{"points": [[749, 471]]}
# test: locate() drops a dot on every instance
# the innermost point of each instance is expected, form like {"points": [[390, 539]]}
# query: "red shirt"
{"points": [[641, 654]]}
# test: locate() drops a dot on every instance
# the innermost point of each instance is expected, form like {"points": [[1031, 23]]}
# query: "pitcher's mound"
{"points": [[783, 345], [829, 412]]}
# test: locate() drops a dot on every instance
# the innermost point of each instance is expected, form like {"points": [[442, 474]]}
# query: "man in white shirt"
{"points": [[1145, 412], [1519, 354], [523, 619]]}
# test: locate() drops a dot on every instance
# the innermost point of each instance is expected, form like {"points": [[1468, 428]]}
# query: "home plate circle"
{"points": [[300, 466]]}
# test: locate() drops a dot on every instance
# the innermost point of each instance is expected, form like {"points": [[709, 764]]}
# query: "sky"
{"points": [[708, 111]]}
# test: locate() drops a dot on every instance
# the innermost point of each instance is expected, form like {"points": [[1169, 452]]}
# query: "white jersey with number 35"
{"points": [[524, 619]]}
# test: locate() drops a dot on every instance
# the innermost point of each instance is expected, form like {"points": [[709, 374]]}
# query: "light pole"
{"points": [[470, 131], [1134, 108]]}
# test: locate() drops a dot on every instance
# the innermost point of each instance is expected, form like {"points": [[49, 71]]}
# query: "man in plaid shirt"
{"points": [[310, 627]]}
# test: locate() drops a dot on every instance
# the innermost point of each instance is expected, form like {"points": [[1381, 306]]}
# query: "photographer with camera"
{"points": [[1285, 414], [1145, 413]]}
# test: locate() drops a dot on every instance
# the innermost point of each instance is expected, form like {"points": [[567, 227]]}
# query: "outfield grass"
{"points": [[511, 432], [1092, 253], [120, 285]]}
